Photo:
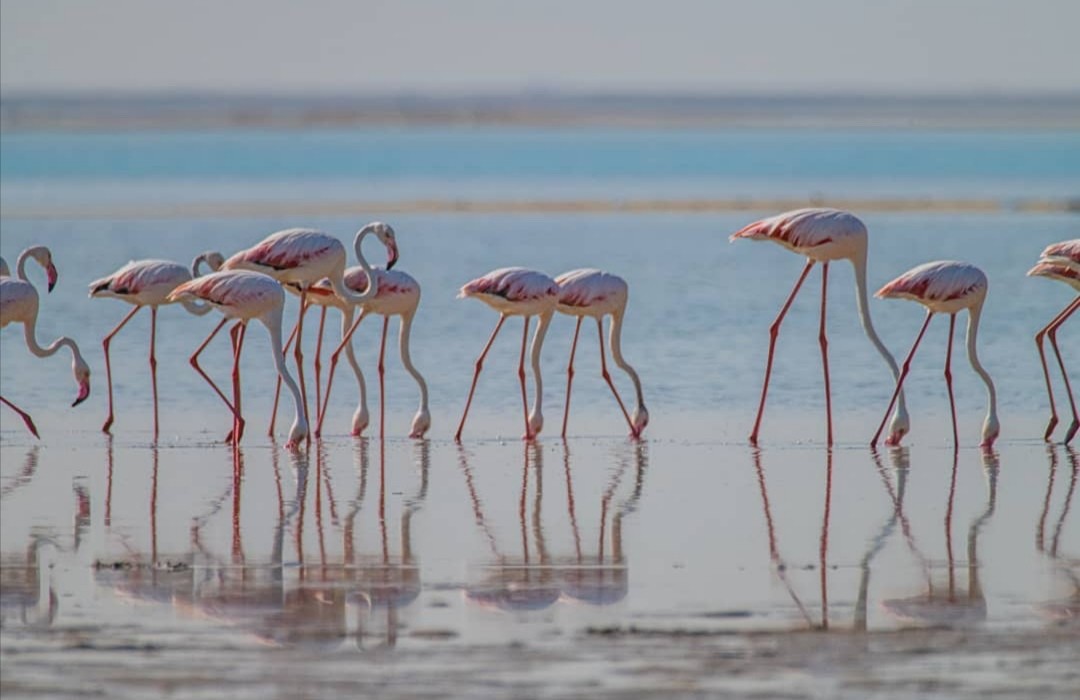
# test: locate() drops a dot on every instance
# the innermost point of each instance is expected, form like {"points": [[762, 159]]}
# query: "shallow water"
{"points": [[685, 564]]}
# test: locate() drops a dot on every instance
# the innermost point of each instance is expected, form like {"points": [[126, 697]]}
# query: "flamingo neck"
{"points": [[52, 348], [615, 341], [406, 359], [862, 303], [20, 264], [534, 358], [272, 321], [197, 308], [974, 314], [338, 281]]}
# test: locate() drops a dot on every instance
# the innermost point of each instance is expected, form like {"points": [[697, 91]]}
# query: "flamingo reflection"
{"points": [[1064, 610]]}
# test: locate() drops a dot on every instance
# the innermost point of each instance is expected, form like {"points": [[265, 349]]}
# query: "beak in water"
{"points": [[51, 273], [84, 391], [392, 255]]}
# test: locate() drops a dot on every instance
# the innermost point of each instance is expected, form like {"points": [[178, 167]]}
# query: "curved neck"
{"points": [[861, 301], [615, 341], [337, 280], [20, 264], [198, 308], [50, 349], [534, 358], [406, 360], [272, 321], [972, 332]]}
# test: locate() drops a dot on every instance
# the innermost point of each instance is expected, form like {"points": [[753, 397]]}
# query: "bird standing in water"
{"points": [[1061, 262]]}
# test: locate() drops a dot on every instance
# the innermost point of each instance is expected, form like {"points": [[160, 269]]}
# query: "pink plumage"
{"points": [[588, 287], [1067, 250], [238, 293], [1061, 262], [1057, 270], [287, 250], [147, 281], [514, 284], [803, 230], [936, 282]]}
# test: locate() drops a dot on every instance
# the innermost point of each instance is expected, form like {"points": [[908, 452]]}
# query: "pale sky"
{"points": [[490, 45]]}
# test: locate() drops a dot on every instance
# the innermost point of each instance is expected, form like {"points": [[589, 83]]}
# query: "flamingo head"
{"points": [[82, 377], [990, 431], [639, 420], [51, 274], [385, 233], [360, 421], [536, 423], [297, 433], [899, 426], [421, 422]]}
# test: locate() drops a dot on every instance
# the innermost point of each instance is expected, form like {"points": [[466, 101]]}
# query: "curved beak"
{"points": [[391, 254], [52, 274], [84, 391]]}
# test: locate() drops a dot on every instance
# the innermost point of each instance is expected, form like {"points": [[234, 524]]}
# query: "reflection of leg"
{"points": [[194, 360], [24, 415], [521, 376], [948, 378], [153, 365], [476, 375], [570, 375], [108, 366], [900, 379], [824, 341], [607, 377], [382, 377], [277, 388], [774, 331], [1068, 389]]}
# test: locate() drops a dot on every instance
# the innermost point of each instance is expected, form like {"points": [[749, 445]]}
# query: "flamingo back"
{"points": [[238, 293], [945, 285], [1053, 268], [590, 289], [290, 250], [142, 282], [18, 301], [804, 230], [1066, 252]]}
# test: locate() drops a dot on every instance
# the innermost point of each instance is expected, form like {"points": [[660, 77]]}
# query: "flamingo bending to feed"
{"points": [[1060, 261], [148, 283], [19, 304], [515, 291], [597, 294], [398, 295], [823, 235], [305, 256], [946, 287], [244, 295]]}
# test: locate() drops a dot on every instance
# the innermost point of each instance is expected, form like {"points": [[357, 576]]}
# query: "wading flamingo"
{"points": [[823, 235], [398, 295], [945, 287], [148, 283], [1060, 261], [19, 304], [244, 296], [305, 256], [597, 294], [515, 291]]}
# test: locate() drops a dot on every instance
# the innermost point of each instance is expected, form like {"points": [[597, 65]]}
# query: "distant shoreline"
{"points": [[247, 209], [23, 112]]}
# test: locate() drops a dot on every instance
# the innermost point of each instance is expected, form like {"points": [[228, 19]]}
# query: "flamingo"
{"points": [[516, 291], [305, 256], [597, 294], [19, 304], [946, 287], [1060, 261], [244, 295], [398, 294], [148, 283], [823, 235]]}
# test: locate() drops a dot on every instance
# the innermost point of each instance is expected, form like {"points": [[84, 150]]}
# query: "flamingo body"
{"points": [[593, 293], [1061, 262], [294, 255], [946, 286], [819, 234], [395, 291], [18, 301], [1062, 272], [1067, 252]]}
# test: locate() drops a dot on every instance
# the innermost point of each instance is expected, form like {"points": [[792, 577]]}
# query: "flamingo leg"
{"points": [[24, 415], [1068, 389], [238, 332], [521, 376], [900, 379], [607, 378], [194, 361], [824, 341], [345, 340], [318, 360], [153, 365], [1046, 370], [476, 375], [774, 331], [299, 354], [277, 388], [948, 378], [382, 373], [570, 375], [108, 366]]}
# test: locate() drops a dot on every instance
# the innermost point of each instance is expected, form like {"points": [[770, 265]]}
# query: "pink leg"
{"points": [[476, 375], [277, 389], [345, 340], [774, 331], [900, 379], [948, 378], [194, 360], [382, 373], [824, 341], [521, 376], [299, 355], [24, 415], [108, 365], [1046, 371], [318, 360], [153, 365], [607, 378], [238, 332], [1068, 389], [570, 375]]}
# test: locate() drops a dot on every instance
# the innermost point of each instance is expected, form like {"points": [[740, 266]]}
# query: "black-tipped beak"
{"points": [[84, 392], [392, 255], [51, 274]]}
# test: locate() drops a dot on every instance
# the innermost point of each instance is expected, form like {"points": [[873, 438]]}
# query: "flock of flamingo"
{"points": [[251, 285]]}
